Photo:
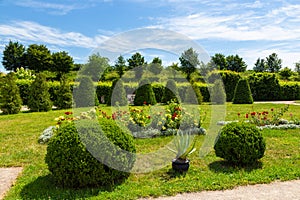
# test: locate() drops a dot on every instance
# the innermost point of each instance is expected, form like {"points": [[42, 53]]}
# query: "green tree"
{"points": [[136, 60], [273, 63], [95, 67], [189, 62], [10, 100], [219, 61], [156, 66], [297, 67], [64, 98], [260, 65], [62, 63], [85, 94], [242, 93], [13, 56], [39, 97], [38, 58], [118, 94], [286, 73], [120, 66], [193, 95], [236, 63], [218, 95]]}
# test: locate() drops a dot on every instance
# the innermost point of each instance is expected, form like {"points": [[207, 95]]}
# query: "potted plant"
{"points": [[183, 146]]}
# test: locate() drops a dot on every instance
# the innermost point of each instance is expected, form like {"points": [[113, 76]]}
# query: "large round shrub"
{"points": [[240, 143], [71, 162], [242, 93], [171, 92]]}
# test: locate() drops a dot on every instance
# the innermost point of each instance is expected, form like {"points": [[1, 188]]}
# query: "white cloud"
{"points": [[33, 32]]}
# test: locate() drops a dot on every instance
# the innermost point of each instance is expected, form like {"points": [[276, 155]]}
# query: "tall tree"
{"points": [[38, 58], [120, 65], [236, 63], [273, 63], [136, 60], [219, 61], [297, 67], [13, 56], [189, 62], [95, 67], [260, 65], [156, 66], [62, 63]]}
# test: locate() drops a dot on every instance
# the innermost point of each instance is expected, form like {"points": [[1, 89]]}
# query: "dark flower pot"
{"points": [[181, 166]]}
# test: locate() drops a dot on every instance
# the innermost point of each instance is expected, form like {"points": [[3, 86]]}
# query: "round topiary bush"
{"points": [[71, 162], [242, 93], [144, 94], [171, 92], [240, 143]]}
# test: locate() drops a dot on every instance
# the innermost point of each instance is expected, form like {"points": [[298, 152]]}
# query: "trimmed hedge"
{"points": [[242, 93]]}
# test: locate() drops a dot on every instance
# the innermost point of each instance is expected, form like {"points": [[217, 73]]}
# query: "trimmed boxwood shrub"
{"points": [[193, 95], [10, 100], [218, 93], [144, 94], [103, 89], [242, 93], [119, 94], [39, 97], [71, 163], [171, 92], [158, 90], [85, 94], [240, 143], [24, 86], [289, 91], [64, 97]]}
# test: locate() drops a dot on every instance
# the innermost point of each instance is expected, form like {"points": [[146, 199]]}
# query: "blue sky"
{"points": [[249, 28]]}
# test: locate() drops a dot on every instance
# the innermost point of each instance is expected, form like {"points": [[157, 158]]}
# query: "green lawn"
{"points": [[19, 147]]}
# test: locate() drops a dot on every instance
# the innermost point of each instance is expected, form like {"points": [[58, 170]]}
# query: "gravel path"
{"points": [[274, 191], [7, 178]]}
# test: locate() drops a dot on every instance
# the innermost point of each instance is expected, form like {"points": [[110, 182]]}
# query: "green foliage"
{"points": [[240, 143], [144, 94], [260, 65], [189, 62], [235, 63], [219, 61], [193, 95], [38, 58], [120, 66], [289, 91], [136, 60], [39, 97], [242, 93], [218, 95], [286, 73], [22, 73], [71, 163], [95, 67], [64, 98], [229, 79], [273, 63], [103, 91], [118, 94], [171, 92], [155, 66], [24, 86], [13, 56], [85, 94], [264, 87], [62, 63], [10, 100], [159, 91]]}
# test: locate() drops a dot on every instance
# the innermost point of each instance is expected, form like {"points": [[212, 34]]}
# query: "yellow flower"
{"points": [[163, 128]]}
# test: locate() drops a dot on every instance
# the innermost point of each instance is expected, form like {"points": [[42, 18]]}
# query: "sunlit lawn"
{"points": [[18, 147]]}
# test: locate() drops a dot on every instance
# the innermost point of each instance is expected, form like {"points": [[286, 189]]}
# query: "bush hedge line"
{"points": [[264, 87]]}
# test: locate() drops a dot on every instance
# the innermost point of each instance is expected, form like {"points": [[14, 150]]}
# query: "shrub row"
{"points": [[264, 87]]}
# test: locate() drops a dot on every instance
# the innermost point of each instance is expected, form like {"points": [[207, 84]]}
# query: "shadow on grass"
{"points": [[171, 174], [223, 166], [45, 187]]}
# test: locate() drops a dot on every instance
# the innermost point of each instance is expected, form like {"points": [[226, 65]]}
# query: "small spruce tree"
{"points": [[118, 94], [39, 97], [171, 92], [218, 95], [144, 94], [10, 100], [63, 94], [85, 94], [242, 93], [193, 95]]}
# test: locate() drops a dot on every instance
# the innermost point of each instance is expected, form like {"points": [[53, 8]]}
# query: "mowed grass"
{"points": [[19, 147]]}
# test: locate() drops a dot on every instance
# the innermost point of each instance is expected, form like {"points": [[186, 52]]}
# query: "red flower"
{"points": [[265, 118], [272, 109], [247, 116], [174, 115], [239, 114], [149, 117], [114, 116], [145, 102], [267, 112], [253, 113], [68, 113]]}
